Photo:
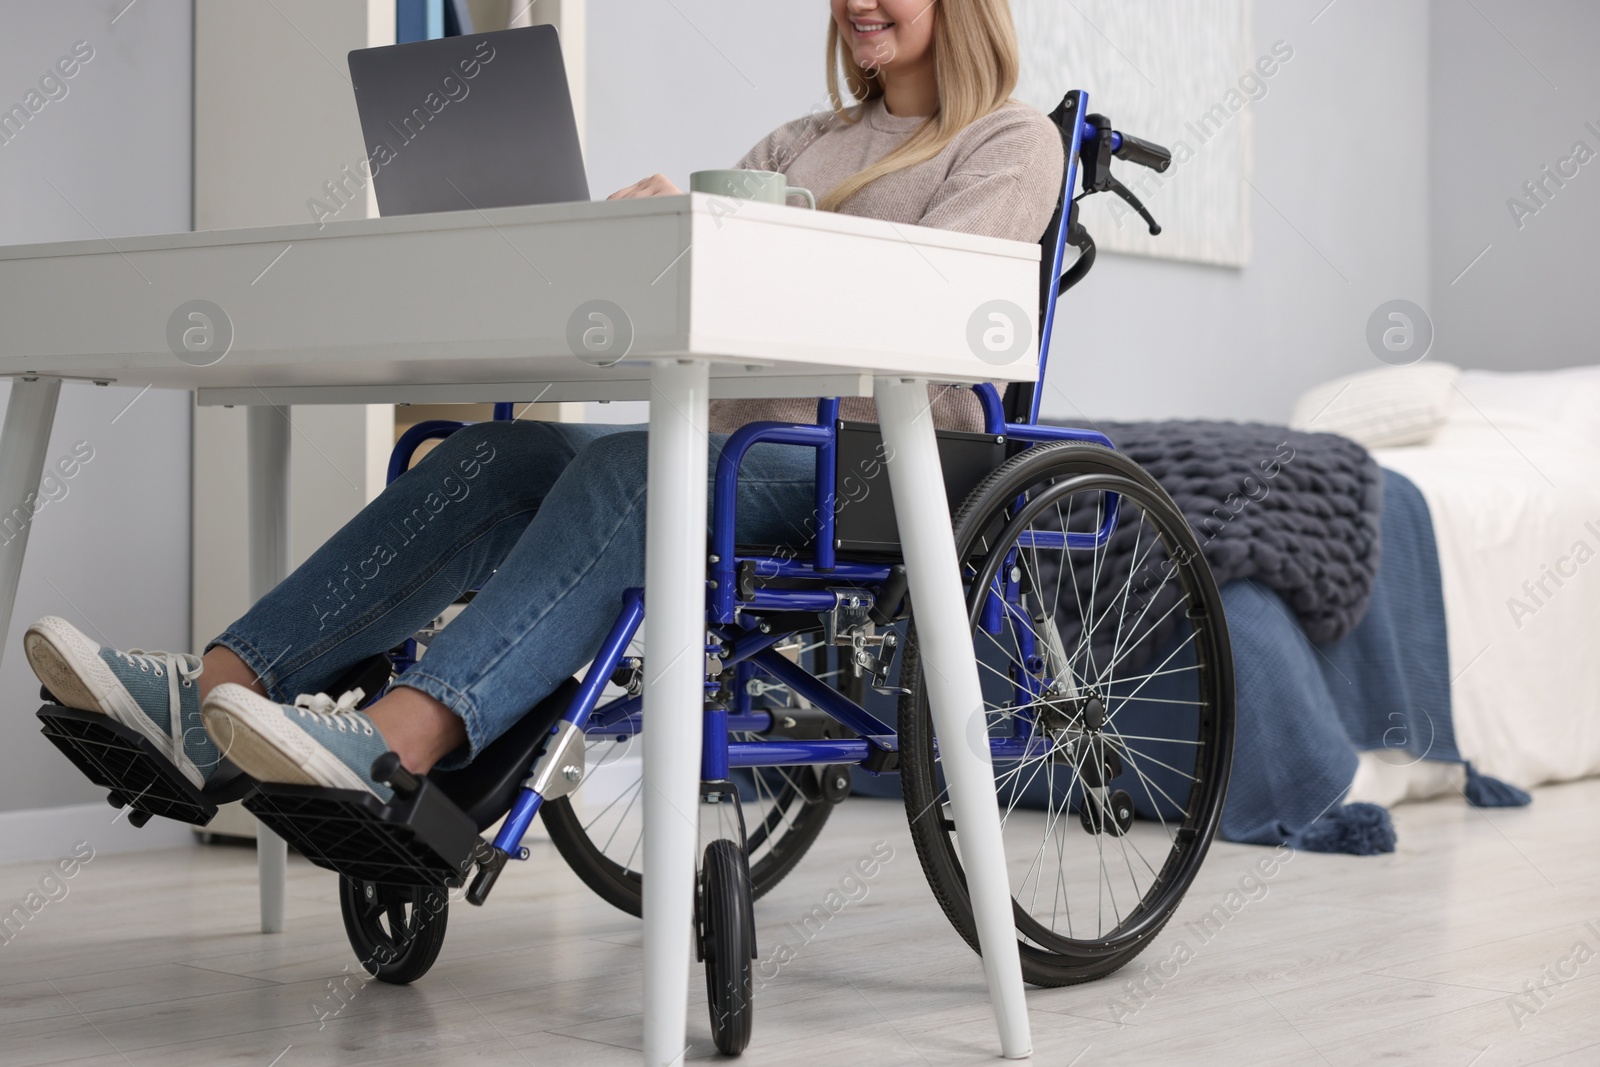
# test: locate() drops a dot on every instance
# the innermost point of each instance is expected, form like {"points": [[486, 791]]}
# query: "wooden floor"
{"points": [[152, 958]]}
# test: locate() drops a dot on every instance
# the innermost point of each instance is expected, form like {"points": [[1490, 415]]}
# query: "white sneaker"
{"points": [[154, 693]]}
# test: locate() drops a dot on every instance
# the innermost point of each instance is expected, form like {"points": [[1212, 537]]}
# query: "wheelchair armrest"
{"points": [[818, 436], [412, 439], [994, 407]]}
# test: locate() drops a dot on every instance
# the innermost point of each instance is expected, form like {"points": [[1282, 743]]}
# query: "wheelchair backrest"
{"points": [[1021, 398]]}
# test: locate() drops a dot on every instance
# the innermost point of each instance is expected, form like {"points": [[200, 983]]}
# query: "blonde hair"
{"points": [[976, 63]]}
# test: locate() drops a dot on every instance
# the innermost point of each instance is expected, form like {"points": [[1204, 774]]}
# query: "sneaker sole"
{"points": [[69, 665], [270, 748]]}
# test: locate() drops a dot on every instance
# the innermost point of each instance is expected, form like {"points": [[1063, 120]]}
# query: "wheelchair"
{"points": [[1098, 632]]}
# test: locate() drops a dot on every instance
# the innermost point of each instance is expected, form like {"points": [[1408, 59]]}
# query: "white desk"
{"points": [[721, 299]]}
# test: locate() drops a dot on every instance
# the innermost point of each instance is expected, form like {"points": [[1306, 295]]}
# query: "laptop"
{"points": [[472, 122]]}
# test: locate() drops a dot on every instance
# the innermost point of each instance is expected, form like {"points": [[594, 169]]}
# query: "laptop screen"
{"points": [[471, 122]]}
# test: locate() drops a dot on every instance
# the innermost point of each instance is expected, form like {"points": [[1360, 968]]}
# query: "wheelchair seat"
{"points": [[864, 518]]}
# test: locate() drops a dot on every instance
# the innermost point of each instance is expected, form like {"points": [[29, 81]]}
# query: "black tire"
{"points": [[783, 821], [727, 943], [788, 824], [1094, 754], [396, 930]]}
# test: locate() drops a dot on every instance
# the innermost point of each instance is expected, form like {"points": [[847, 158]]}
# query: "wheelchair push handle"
{"points": [[1127, 146], [1137, 150]]}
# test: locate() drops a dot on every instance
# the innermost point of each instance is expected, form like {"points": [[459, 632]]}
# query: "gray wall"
{"points": [[1339, 228], [1392, 143], [112, 556], [1508, 99], [694, 84], [676, 92]]}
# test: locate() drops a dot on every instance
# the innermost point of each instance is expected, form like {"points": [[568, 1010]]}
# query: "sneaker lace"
{"points": [[180, 669], [182, 665], [334, 714]]}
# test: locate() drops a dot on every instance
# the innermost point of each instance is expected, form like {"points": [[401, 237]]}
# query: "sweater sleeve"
{"points": [[1007, 184]]}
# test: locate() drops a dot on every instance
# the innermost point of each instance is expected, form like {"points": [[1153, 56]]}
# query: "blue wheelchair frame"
{"points": [[749, 649]]}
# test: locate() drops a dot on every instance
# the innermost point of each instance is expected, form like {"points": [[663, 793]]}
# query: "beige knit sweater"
{"points": [[1000, 177]]}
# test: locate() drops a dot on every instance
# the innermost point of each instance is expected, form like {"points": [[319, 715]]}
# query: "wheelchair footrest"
{"points": [[124, 761], [416, 839]]}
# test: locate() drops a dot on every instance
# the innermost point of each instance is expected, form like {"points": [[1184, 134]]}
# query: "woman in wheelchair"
{"points": [[546, 520], [1097, 627]]}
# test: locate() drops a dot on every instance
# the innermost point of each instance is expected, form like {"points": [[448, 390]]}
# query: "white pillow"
{"points": [[1380, 408]]}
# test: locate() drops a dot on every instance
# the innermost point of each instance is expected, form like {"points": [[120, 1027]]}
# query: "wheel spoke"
{"points": [[1149, 785], [1131, 696], [1135, 644], [1145, 755], [633, 797], [614, 802], [605, 846]]}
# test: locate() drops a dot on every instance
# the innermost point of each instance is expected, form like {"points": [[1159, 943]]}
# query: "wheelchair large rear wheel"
{"points": [[1108, 705]]}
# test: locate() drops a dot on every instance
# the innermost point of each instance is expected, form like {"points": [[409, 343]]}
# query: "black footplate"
{"points": [[134, 771], [419, 838]]}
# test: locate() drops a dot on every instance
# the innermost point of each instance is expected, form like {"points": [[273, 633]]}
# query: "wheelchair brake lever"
{"points": [[877, 667], [1116, 186], [850, 625]]}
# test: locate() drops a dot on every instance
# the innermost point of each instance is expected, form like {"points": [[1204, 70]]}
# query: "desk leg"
{"points": [[674, 663], [954, 696], [268, 449], [30, 413]]}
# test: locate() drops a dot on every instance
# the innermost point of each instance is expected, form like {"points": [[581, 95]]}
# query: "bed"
{"points": [[1471, 670], [1512, 479]]}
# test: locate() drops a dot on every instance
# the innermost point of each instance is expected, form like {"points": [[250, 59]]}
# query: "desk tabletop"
{"points": [[566, 301]]}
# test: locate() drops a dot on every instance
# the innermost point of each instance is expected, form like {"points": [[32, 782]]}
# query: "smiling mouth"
{"points": [[870, 29]]}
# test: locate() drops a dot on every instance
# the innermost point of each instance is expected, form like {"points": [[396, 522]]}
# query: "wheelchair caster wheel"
{"points": [[727, 944], [835, 782], [396, 930]]}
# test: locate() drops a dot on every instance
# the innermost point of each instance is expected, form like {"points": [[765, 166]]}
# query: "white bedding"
{"points": [[1513, 482]]}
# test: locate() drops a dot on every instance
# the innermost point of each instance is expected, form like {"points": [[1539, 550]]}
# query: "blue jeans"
{"points": [[545, 520]]}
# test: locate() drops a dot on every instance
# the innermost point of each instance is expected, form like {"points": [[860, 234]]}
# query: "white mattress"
{"points": [[1513, 481]]}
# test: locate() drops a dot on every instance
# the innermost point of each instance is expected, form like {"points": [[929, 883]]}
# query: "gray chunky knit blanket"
{"points": [[1297, 512]]}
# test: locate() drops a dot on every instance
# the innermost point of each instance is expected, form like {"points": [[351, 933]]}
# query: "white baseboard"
{"points": [[50, 833]]}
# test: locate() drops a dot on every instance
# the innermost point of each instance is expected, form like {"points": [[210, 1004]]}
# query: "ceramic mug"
{"points": [[767, 186]]}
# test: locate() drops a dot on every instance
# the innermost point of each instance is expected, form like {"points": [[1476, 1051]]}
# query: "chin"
{"points": [[871, 56]]}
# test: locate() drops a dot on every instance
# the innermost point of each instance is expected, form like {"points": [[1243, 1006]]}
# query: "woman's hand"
{"points": [[655, 185]]}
